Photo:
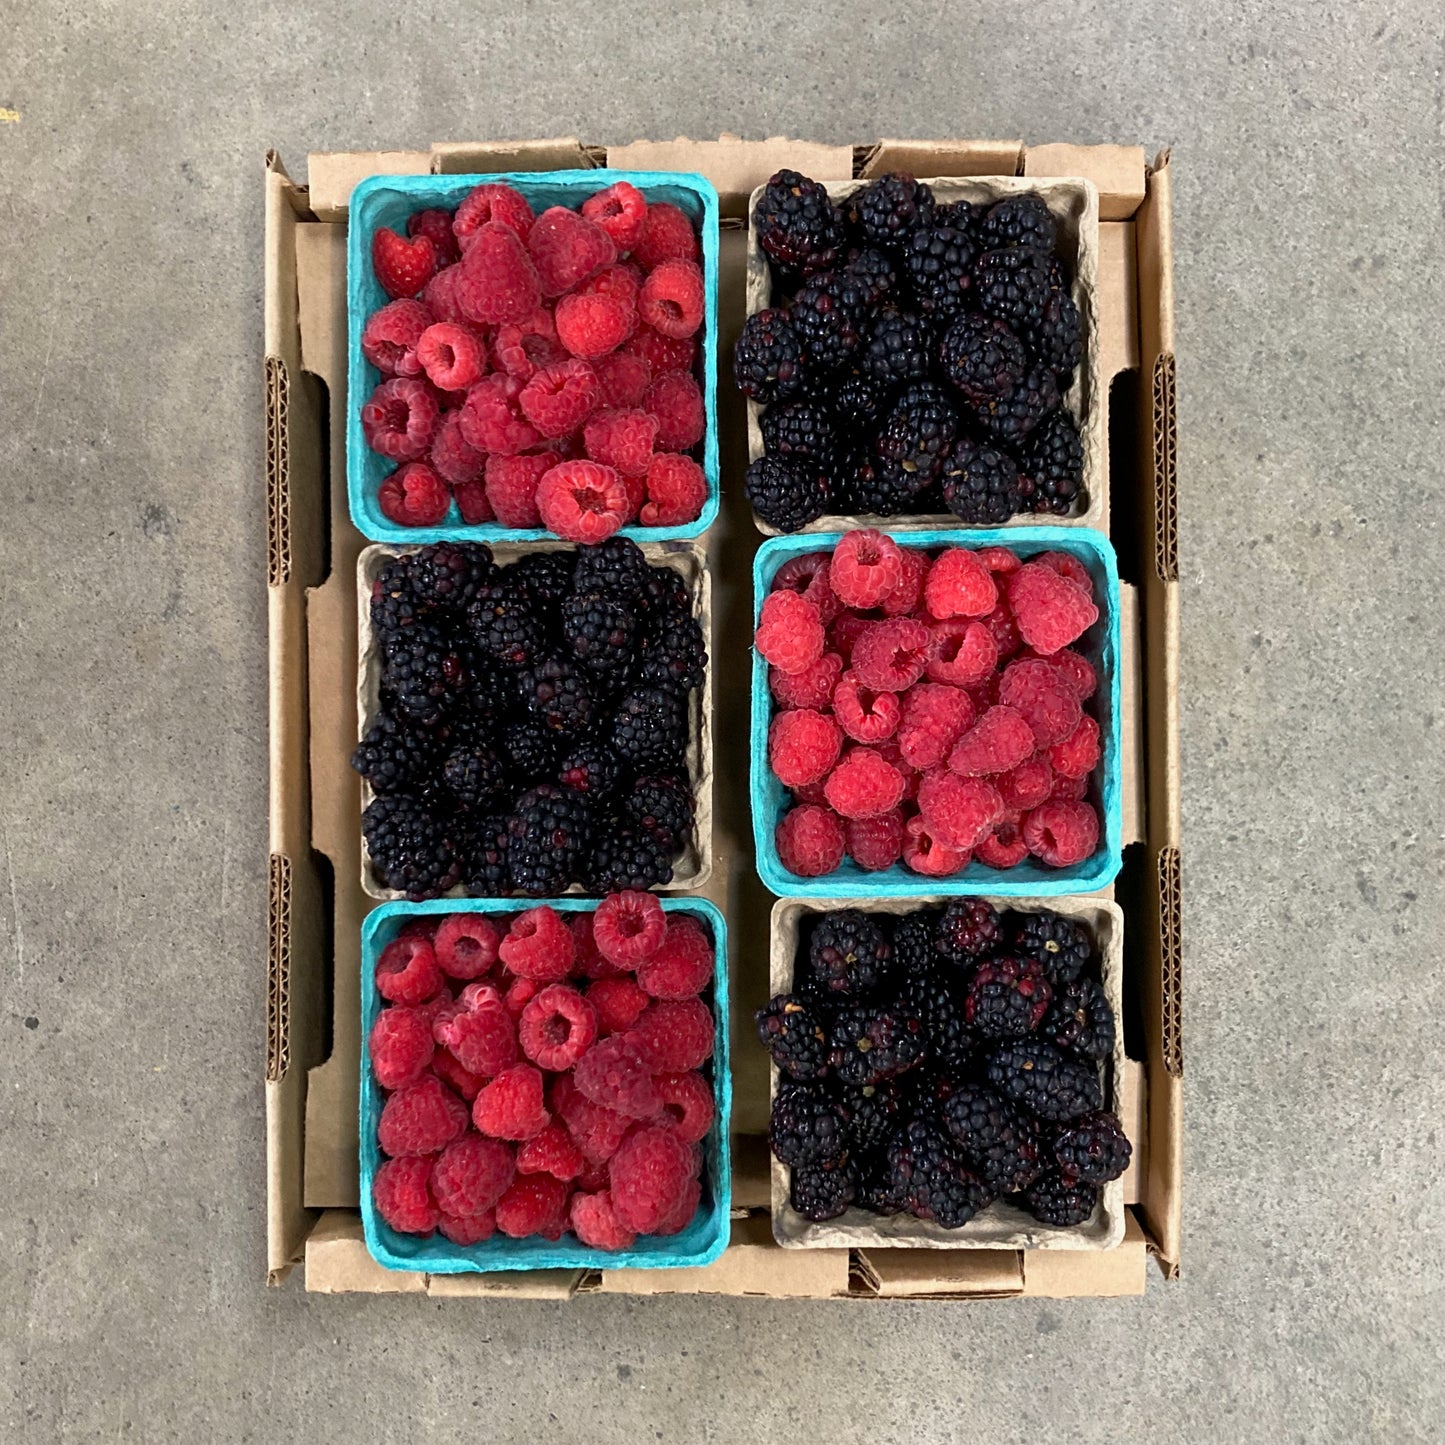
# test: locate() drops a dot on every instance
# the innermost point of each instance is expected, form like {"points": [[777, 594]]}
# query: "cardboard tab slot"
{"points": [[278, 969], [946, 158], [453, 158], [904, 1274], [1170, 960], [1166, 440]]}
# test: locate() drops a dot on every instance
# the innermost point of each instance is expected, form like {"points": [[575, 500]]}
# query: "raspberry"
{"points": [[466, 945], [496, 282], [399, 418], [447, 1067], [557, 1027], [1077, 671], [621, 440], [590, 962], [1050, 610], [471, 1175], [492, 201], [1079, 753], [846, 631], [661, 353], [673, 1035], [865, 714], [875, 843], [621, 211], [557, 399], [624, 378], [629, 927], [1068, 567], [998, 560], [492, 419], [809, 575], [676, 491], [803, 746], [400, 1190], [452, 457], [636, 490], [1027, 785], [539, 945], [535, 1204], [421, 1118], [890, 656], [595, 1222], [790, 632], [401, 1047], [479, 1032], [402, 266], [674, 399], [439, 295], [468, 1230], [390, 337], [682, 1212], [582, 501], [809, 840], [998, 741], [812, 687], [688, 1101], [1049, 706], [1002, 848], [407, 971], [512, 487], [924, 853], [666, 235], [1073, 790], [525, 346], [511, 1107], [591, 326], [436, 226], [1000, 623], [867, 566], [959, 585], [958, 811], [414, 496], [1061, 832], [864, 785], [682, 966], [907, 596], [961, 652], [649, 1175], [618, 1002], [671, 298], [554, 1152], [934, 717], [453, 356], [614, 1074], [597, 1129], [566, 249]]}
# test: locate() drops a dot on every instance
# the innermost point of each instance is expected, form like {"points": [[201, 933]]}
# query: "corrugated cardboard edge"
{"points": [[1131, 722]]}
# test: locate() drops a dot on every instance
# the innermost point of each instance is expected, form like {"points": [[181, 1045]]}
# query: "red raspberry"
{"points": [[812, 793], [1078, 755], [890, 656], [414, 496], [907, 597], [682, 1213], [447, 1067], [401, 1047], [867, 566], [662, 353], [614, 1073], [622, 282], [649, 1175], [875, 843], [595, 1222], [621, 440], [511, 1106], [864, 785], [590, 961], [998, 560], [790, 632], [809, 841], [597, 1129], [934, 717], [866, 714], [925, 854], [845, 632], [436, 226], [554, 1152], [618, 1001], [629, 927], [683, 964], [520, 992], [1073, 790], [453, 458], [390, 336], [676, 491], [1070, 568], [407, 971], [453, 356], [1000, 623], [567, 249], [399, 418], [624, 378], [496, 202], [674, 399], [558, 1026], [1027, 785], [673, 1035], [539, 945], [496, 282], [526, 346], [812, 687], [439, 295], [998, 741], [401, 1192], [959, 585], [492, 419], [621, 211], [803, 746], [424, 925], [636, 489], [808, 576], [535, 1204], [421, 1118], [961, 652], [558, 399], [1077, 671], [1061, 833], [471, 1175], [667, 234], [592, 326], [582, 501], [402, 266], [468, 1231], [1048, 704], [466, 945], [512, 487], [1051, 611], [593, 1178], [688, 1102], [479, 1032], [892, 754], [1004, 847], [958, 811], [671, 299]]}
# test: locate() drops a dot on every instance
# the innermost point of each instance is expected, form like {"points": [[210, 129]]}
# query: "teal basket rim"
{"points": [[899, 882], [436, 1254], [361, 376]]}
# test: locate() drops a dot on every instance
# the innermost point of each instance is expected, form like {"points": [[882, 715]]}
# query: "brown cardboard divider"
{"points": [[1118, 172]]}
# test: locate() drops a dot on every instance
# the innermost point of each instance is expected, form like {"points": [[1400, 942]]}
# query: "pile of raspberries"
{"points": [[934, 1062], [930, 708], [915, 357], [539, 371], [542, 1076]]}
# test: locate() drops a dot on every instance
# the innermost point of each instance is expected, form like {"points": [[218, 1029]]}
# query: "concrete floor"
{"points": [[1310, 220]]}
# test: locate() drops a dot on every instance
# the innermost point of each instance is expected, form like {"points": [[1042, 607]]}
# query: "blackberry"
{"points": [[674, 655], [530, 749], [1057, 337], [664, 595], [411, 849], [807, 1126], [1006, 998], [1011, 418], [981, 484], [889, 210], [446, 575], [917, 436], [797, 225], [1004, 1146], [913, 935], [875, 270], [819, 1193], [394, 606], [939, 262], [1080, 1021], [931, 1178], [615, 568], [600, 632], [506, 626], [558, 694], [858, 404], [933, 999], [483, 848], [826, 315], [1062, 945], [795, 1034], [881, 487], [961, 216], [662, 804], [590, 769], [870, 1043], [898, 348], [650, 727], [848, 954], [786, 496], [424, 671], [768, 360], [1053, 461], [1092, 1150], [981, 357], [394, 755], [1051, 1201], [1040, 1078], [549, 836], [476, 777], [1013, 285], [545, 577], [876, 1189], [1019, 221], [626, 858], [874, 1112], [798, 430], [968, 928]]}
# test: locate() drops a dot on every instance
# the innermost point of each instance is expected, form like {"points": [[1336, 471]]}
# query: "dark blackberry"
{"points": [[882, 488], [981, 484], [874, 1112], [849, 955], [913, 935], [917, 436], [664, 595], [874, 268], [931, 1178], [1003, 1145], [424, 670], [1006, 998], [858, 404], [446, 575], [530, 749], [1092, 1150], [968, 928], [1051, 1201], [615, 568], [479, 716], [662, 804], [981, 357], [558, 693], [939, 262], [898, 348], [395, 755], [483, 849], [1011, 418], [819, 1193], [1044, 1080], [600, 632], [546, 577], [625, 858], [650, 727], [934, 999], [476, 777], [674, 655], [394, 606], [797, 225], [1013, 285], [1053, 461], [786, 496], [506, 626], [828, 320], [795, 1033], [549, 838], [1063, 945], [961, 216], [870, 1043], [1057, 337], [411, 849], [798, 430], [876, 1190], [807, 1126], [590, 769], [768, 360], [1080, 1021], [1019, 221], [889, 210]]}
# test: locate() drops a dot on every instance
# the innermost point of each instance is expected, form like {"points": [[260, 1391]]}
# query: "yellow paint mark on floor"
{"points": [[9, 117]]}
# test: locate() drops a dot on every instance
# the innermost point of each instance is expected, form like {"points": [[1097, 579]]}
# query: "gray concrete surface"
{"points": [[1311, 285]]}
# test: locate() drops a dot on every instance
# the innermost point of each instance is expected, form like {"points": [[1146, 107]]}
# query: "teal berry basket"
{"points": [[700, 1243], [1100, 644], [388, 201]]}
